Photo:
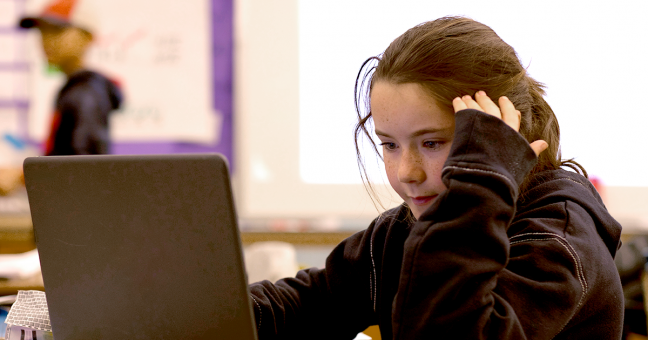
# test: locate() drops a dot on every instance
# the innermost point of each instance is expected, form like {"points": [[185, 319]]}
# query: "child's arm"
{"points": [[455, 279], [330, 303]]}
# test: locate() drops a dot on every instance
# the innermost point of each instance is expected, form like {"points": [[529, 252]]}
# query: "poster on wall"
{"points": [[160, 52]]}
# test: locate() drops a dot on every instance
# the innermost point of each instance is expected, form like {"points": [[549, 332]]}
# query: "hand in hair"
{"points": [[508, 113]]}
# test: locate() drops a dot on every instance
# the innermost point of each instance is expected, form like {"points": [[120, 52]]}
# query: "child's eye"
{"points": [[388, 145], [433, 144]]}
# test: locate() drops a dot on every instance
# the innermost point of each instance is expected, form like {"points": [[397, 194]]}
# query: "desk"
{"points": [[11, 287], [16, 236]]}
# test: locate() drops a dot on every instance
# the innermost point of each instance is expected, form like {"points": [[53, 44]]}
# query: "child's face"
{"points": [[416, 135], [62, 44]]}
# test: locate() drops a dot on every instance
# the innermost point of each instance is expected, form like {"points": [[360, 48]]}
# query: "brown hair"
{"points": [[454, 56]]}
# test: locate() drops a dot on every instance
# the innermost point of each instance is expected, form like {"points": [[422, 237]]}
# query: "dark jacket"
{"points": [[481, 263], [80, 122]]}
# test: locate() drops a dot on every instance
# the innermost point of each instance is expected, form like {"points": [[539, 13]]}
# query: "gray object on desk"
{"points": [[139, 247]]}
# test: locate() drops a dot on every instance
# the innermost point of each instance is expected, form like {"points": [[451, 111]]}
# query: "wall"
{"points": [[266, 97], [267, 119]]}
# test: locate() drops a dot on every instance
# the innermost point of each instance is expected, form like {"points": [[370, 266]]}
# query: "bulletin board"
{"points": [[172, 60]]}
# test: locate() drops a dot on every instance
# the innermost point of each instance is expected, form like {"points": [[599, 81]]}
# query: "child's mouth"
{"points": [[422, 200]]}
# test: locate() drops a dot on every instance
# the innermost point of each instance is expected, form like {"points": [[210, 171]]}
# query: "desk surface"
{"points": [[16, 236], [18, 229], [10, 287]]}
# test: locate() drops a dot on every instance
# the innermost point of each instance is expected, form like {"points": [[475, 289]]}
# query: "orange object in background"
{"points": [[598, 184]]}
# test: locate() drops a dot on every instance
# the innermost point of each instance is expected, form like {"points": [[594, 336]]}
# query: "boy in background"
{"points": [[80, 120]]}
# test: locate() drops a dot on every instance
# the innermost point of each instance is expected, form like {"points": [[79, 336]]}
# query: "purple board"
{"points": [[221, 58]]}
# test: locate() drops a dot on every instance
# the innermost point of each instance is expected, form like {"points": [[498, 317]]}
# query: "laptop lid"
{"points": [[139, 247]]}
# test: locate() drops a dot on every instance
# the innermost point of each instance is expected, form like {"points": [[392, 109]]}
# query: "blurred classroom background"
{"points": [[269, 84]]}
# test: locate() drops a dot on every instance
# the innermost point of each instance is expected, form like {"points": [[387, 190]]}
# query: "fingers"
{"points": [[482, 104], [487, 104], [510, 115], [538, 146], [506, 110], [471, 103], [458, 105]]}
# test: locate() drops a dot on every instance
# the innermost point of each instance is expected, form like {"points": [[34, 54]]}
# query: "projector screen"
{"points": [[298, 59], [588, 56]]}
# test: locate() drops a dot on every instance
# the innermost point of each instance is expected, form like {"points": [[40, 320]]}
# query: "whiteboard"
{"points": [[586, 53], [160, 52], [295, 153]]}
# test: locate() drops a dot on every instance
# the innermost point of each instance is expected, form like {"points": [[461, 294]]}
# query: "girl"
{"points": [[493, 241]]}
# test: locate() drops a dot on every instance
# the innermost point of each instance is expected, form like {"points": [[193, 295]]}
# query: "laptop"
{"points": [[139, 247]]}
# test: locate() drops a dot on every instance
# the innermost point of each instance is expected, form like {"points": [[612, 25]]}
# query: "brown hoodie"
{"points": [[479, 263]]}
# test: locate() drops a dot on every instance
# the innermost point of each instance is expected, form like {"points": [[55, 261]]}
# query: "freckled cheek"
{"points": [[435, 167], [391, 168], [434, 173]]}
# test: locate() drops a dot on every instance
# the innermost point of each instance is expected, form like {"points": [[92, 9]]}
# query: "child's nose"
{"points": [[410, 169]]}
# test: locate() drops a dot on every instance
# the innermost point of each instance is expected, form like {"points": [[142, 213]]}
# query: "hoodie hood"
{"points": [[100, 84], [558, 186]]}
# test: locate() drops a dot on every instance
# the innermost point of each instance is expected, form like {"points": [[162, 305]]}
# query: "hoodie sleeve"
{"points": [[85, 103], [330, 303], [458, 280], [89, 133]]}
